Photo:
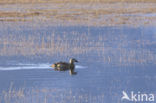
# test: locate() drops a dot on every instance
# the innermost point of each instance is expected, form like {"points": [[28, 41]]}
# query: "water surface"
{"points": [[111, 60]]}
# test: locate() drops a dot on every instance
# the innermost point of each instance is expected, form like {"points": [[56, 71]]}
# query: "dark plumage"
{"points": [[63, 66]]}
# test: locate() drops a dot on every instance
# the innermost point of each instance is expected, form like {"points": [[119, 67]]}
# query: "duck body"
{"points": [[61, 66], [64, 66]]}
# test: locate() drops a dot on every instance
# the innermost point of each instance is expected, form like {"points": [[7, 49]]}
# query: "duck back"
{"points": [[62, 66]]}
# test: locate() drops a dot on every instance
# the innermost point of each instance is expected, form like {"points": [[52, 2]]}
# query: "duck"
{"points": [[64, 66]]}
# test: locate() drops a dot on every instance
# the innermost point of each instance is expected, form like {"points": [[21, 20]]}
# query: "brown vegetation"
{"points": [[54, 45], [67, 13], [71, 1], [46, 95], [91, 14]]}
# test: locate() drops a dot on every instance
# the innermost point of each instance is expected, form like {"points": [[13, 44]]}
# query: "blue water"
{"points": [[116, 59]]}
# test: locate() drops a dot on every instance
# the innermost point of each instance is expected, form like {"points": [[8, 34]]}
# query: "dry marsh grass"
{"points": [[71, 1], [17, 14], [68, 13], [46, 95], [63, 46], [91, 14]]}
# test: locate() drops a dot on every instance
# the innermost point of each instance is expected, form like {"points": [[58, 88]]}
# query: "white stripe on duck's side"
{"points": [[63, 66]]}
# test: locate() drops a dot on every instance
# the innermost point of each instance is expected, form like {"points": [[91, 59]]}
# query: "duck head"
{"points": [[72, 60]]}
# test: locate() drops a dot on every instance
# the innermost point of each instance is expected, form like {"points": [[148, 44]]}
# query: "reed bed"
{"points": [[73, 1], [119, 53], [45, 95], [68, 13], [91, 14]]}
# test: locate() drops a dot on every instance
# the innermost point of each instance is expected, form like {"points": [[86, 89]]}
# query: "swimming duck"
{"points": [[63, 66]]}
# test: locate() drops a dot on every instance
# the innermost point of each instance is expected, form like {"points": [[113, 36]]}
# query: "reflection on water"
{"points": [[112, 59]]}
